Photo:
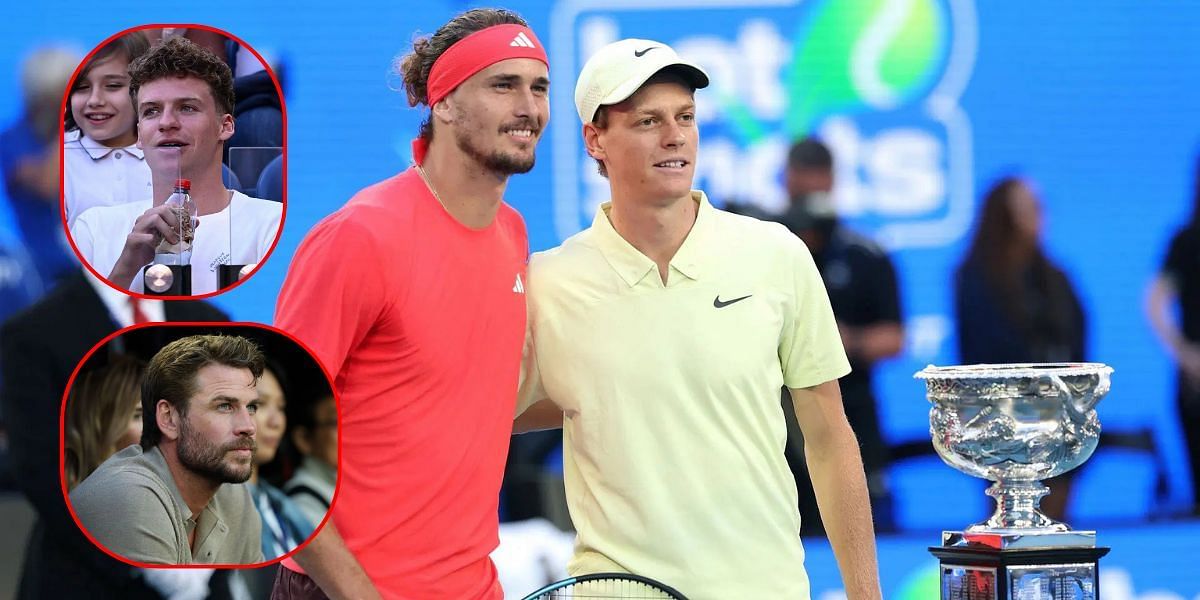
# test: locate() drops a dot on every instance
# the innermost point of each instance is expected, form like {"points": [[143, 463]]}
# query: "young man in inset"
{"points": [[412, 296], [177, 498], [183, 99], [660, 338]]}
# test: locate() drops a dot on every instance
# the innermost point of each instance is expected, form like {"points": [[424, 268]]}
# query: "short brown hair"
{"points": [[414, 67], [131, 46], [171, 375], [179, 57]]}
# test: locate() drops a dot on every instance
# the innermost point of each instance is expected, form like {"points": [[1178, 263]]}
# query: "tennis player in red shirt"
{"points": [[413, 297]]}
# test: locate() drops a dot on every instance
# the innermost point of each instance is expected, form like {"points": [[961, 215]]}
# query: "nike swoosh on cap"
{"points": [[639, 53]]}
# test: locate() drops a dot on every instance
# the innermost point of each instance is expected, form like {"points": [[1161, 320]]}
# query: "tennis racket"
{"points": [[615, 586]]}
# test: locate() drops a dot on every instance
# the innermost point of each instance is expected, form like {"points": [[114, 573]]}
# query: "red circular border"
{"points": [[62, 165], [62, 473]]}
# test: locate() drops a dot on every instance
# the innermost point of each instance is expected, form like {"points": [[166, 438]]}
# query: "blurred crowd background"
{"points": [[1077, 124]]}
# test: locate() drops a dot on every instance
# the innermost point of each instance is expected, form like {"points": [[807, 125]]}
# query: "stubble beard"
{"points": [[498, 162], [208, 460]]}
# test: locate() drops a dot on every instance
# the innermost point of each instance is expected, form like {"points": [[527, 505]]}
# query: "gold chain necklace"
{"points": [[428, 184]]}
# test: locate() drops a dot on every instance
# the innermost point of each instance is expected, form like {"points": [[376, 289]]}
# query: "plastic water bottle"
{"points": [[183, 218]]}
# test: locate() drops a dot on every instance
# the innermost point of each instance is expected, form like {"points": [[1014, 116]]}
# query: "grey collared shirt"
{"points": [[132, 506]]}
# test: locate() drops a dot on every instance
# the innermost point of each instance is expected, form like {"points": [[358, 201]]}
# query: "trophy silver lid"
{"points": [[1012, 371]]}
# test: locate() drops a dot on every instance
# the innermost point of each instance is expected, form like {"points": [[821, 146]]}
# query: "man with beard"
{"points": [[176, 499], [413, 297]]}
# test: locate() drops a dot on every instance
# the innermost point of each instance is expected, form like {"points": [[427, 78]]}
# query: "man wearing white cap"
{"points": [[659, 338]]}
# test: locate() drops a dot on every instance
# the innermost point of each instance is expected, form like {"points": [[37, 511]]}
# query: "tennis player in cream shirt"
{"points": [[659, 339]]}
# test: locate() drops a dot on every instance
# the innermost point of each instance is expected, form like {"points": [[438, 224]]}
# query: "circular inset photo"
{"points": [[173, 160], [199, 444]]}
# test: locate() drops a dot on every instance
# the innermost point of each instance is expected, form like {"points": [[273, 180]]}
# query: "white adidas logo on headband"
{"points": [[522, 41]]}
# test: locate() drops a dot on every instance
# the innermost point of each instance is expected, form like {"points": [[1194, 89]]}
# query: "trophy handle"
{"points": [[1082, 400]]}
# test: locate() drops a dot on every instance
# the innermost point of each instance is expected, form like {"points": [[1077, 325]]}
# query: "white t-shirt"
{"points": [[100, 233], [96, 175]]}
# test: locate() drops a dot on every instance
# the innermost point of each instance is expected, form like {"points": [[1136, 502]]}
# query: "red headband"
{"points": [[473, 54]]}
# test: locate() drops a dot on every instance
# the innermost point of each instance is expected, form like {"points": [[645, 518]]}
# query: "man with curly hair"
{"points": [[183, 100], [413, 297]]}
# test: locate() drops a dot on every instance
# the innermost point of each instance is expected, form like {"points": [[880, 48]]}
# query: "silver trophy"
{"points": [[1017, 425]]}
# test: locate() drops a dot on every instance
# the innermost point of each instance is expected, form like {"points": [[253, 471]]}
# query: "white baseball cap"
{"points": [[616, 71]]}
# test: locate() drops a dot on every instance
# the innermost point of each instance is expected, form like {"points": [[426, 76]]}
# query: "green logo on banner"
{"points": [[857, 55]]}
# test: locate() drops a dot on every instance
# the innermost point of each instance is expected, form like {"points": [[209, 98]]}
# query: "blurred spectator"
{"points": [[104, 166], [523, 491], [205, 38], [861, 282], [39, 348], [1012, 303], [29, 160], [284, 526], [270, 181], [315, 434], [103, 415], [1177, 285], [258, 137], [20, 283]]}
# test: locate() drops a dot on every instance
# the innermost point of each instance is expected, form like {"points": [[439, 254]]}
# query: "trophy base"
{"points": [[1017, 539], [167, 280], [983, 573], [228, 275]]}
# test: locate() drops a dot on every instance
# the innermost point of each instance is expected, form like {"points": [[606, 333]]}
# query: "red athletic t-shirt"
{"points": [[420, 320]]}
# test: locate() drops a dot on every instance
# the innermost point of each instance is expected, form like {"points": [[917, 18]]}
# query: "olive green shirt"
{"points": [[132, 506]]}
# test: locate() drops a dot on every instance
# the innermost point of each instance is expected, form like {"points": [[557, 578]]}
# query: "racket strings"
{"points": [[607, 590]]}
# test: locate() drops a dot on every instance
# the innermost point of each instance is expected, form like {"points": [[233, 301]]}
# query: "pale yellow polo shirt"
{"points": [[674, 434]]}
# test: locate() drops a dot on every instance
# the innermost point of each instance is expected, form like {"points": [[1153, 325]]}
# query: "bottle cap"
{"points": [[183, 183]]}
